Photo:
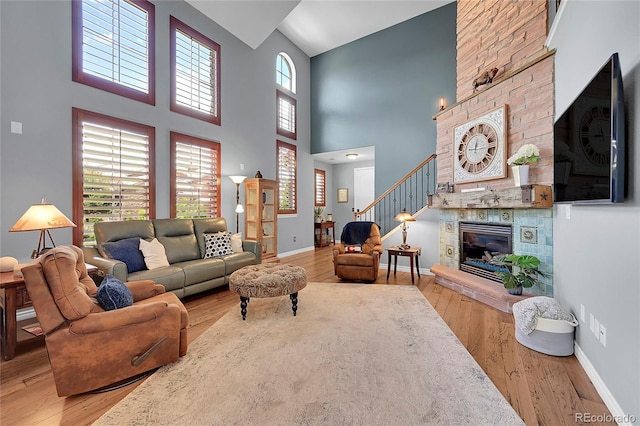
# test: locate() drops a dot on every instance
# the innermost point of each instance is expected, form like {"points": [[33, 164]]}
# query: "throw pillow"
{"points": [[113, 294], [218, 244], [154, 253], [236, 242], [127, 251], [353, 248]]}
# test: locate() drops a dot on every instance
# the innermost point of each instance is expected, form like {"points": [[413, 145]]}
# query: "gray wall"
{"points": [[383, 90], [597, 248], [36, 89]]}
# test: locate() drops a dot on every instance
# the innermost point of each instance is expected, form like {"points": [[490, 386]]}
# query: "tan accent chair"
{"points": [[90, 348], [358, 266]]}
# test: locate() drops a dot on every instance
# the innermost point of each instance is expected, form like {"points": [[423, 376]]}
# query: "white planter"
{"points": [[520, 175]]}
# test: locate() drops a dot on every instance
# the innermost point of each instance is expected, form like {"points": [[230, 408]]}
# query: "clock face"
{"points": [[595, 135], [479, 148]]}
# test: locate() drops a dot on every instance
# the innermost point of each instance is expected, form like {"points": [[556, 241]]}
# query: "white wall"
{"points": [[597, 248]]}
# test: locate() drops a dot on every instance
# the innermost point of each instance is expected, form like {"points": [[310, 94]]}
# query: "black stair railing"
{"points": [[411, 193]]}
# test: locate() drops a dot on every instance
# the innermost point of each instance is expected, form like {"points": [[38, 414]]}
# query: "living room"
{"points": [[37, 90]]}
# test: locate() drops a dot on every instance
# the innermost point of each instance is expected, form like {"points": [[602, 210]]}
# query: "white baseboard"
{"points": [[619, 416]]}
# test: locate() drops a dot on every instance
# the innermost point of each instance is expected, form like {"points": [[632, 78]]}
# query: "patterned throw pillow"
{"points": [[113, 294], [218, 244], [353, 248]]}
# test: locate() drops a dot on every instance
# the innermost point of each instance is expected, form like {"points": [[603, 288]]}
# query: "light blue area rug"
{"points": [[354, 355]]}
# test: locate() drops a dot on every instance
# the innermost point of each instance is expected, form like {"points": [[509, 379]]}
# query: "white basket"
{"points": [[551, 337]]}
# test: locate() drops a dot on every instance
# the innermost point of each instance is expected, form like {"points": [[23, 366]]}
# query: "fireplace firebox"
{"points": [[479, 243]]}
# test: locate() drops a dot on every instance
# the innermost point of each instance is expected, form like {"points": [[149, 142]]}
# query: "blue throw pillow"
{"points": [[113, 294], [127, 251]]}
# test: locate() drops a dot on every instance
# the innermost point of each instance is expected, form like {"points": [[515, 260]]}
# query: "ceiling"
{"points": [[315, 26]]}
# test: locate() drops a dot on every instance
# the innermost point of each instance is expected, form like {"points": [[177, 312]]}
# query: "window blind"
{"points": [[286, 115], [115, 42], [195, 74], [196, 178], [115, 175], [287, 202], [320, 191]]}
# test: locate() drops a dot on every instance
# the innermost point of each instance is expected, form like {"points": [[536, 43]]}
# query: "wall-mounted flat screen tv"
{"points": [[590, 142]]}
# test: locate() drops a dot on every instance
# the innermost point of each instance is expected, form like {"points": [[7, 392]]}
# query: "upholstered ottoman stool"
{"points": [[268, 280]]}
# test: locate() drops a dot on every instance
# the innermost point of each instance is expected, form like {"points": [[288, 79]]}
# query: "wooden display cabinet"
{"points": [[261, 216]]}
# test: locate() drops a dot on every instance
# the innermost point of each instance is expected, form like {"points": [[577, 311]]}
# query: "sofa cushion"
{"points": [[218, 244], [202, 270], [126, 251], [113, 294], [178, 238], [236, 242], [154, 254]]}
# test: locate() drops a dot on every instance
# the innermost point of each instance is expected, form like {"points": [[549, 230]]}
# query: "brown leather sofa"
{"points": [[90, 348], [358, 266]]}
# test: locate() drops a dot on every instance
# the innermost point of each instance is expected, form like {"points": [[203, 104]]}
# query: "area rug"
{"points": [[355, 354]]}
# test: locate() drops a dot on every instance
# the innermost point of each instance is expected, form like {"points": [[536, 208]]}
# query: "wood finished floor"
{"points": [[544, 390]]}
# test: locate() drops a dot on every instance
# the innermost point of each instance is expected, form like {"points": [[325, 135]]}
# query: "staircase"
{"points": [[410, 193]]}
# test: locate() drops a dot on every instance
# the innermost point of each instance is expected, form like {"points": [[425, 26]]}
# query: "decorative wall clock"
{"points": [[479, 148]]}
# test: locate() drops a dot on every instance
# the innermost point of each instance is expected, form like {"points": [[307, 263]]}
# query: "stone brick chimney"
{"points": [[508, 35]]}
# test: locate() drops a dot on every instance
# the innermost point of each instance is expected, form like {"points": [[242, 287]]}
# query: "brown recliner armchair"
{"points": [[361, 266], [90, 348]]}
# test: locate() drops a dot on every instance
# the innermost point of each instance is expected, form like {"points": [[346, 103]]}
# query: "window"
{"points": [[285, 72], [286, 169], [195, 73], [113, 172], [195, 177], [114, 47], [320, 189], [286, 115]]}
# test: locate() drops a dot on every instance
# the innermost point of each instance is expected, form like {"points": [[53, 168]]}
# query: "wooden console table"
{"points": [[14, 296], [318, 230]]}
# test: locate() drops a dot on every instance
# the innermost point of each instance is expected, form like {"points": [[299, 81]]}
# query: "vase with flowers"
{"points": [[520, 161]]}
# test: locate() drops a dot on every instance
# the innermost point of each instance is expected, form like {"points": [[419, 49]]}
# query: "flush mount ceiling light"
{"points": [[352, 156]]}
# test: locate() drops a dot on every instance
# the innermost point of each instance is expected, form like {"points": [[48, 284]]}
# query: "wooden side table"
{"points": [[411, 252], [318, 230], [14, 296]]}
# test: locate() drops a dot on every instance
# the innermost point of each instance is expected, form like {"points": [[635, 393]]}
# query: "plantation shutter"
{"points": [[115, 175], [196, 180], [286, 115], [115, 42], [320, 190], [196, 75], [287, 178]]}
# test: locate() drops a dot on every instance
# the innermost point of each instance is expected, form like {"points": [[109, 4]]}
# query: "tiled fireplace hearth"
{"points": [[532, 233]]}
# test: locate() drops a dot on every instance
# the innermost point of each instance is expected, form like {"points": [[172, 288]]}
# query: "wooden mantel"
{"points": [[523, 197]]}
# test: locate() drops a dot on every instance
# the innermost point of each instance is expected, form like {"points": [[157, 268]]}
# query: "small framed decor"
{"points": [[343, 195]]}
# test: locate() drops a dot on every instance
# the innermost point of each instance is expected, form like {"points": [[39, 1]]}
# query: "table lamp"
{"points": [[404, 216], [42, 217]]}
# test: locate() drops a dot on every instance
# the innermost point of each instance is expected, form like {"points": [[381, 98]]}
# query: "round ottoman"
{"points": [[268, 280]]}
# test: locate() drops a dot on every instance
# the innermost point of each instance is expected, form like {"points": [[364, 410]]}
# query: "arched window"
{"points": [[286, 72]]}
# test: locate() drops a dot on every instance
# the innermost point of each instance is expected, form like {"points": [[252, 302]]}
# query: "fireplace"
{"points": [[479, 242]]}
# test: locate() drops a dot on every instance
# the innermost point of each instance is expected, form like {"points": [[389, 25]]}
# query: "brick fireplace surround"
{"points": [[510, 36]]}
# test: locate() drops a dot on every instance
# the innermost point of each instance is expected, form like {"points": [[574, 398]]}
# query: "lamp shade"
{"points": [[42, 216], [404, 216], [237, 179]]}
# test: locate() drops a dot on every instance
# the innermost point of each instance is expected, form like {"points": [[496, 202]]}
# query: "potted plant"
{"points": [[317, 214], [518, 271], [527, 154]]}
